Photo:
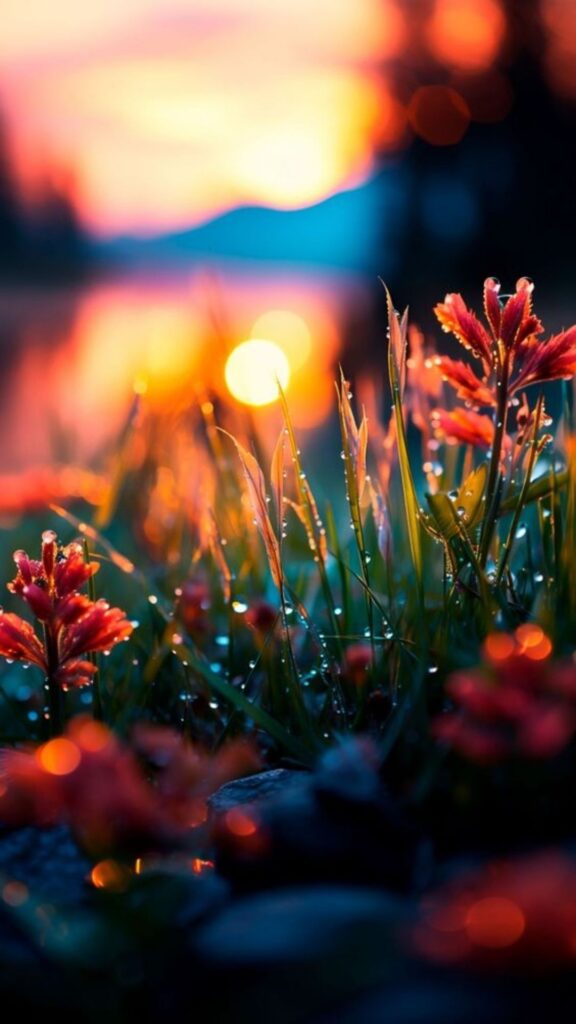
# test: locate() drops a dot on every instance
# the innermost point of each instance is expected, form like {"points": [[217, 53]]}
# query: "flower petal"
{"points": [[97, 630], [518, 322], [492, 309], [464, 425], [455, 317], [75, 673], [462, 377], [554, 359], [71, 571], [19, 641]]}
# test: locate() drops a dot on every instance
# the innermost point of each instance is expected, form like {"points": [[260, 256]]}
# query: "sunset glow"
{"points": [[288, 330], [159, 110]]}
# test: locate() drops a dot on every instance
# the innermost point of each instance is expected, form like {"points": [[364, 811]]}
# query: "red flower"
{"points": [[40, 486], [464, 425], [517, 705], [358, 660], [73, 624], [468, 386], [511, 338], [60, 572], [455, 317], [19, 642], [192, 609], [187, 775], [262, 618], [96, 629], [554, 360], [516, 915]]}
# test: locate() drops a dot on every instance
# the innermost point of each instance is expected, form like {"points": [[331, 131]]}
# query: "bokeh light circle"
{"points": [[439, 115], [253, 371], [287, 330]]}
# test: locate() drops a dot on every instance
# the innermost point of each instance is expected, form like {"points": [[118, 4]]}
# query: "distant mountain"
{"points": [[349, 230]]}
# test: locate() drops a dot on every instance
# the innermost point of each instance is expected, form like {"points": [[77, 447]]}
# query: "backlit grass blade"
{"points": [[396, 365], [306, 501], [354, 443], [214, 540], [277, 473], [306, 509], [256, 488]]}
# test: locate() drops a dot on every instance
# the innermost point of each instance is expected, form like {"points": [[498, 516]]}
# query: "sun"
{"points": [[253, 371]]}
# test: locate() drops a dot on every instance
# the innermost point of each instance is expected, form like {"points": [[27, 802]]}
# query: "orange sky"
{"points": [[169, 111]]}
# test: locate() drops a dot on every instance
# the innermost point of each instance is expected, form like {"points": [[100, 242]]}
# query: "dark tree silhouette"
{"points": [[41, 241], [502, 201]]}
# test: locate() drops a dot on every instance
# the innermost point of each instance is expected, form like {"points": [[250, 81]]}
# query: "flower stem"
{"points": [[97, 709], [493, 489], [55, 696]]}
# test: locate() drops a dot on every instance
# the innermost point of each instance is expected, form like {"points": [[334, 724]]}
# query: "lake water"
{"points": [[71, 357]]}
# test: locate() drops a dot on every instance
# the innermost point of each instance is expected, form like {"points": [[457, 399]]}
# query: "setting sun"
{"points": [[253, 371]]}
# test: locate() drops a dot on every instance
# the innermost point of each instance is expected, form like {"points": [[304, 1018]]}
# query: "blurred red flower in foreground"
{"points": [[517, 705], [88, 779], [73, 625], [262, 618], [514, 915], [193, 608], [357, 663], [40, 486], [463, 425]]}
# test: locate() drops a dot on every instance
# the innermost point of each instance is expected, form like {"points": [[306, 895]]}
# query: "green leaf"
{"points": [[540, 488], [443, 511], [470, 496], [464, 511]]}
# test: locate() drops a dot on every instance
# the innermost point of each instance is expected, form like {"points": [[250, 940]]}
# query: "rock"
{"points": [[284, 955], [337, 824], [254, 788], [47, 860]]}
